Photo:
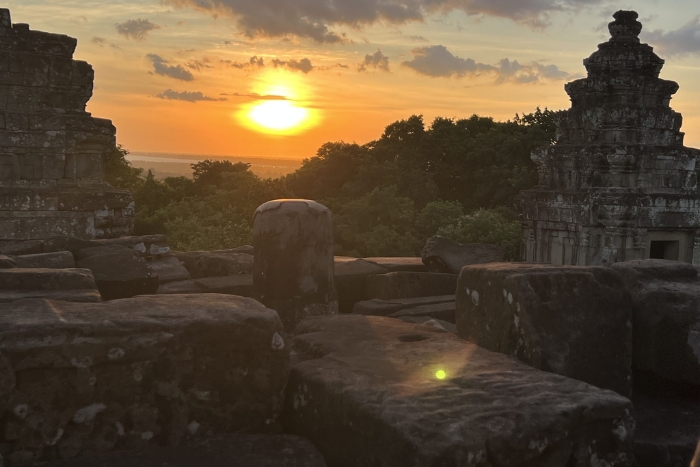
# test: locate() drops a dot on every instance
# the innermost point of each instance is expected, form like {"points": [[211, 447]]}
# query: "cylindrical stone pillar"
{"points": [[293, 269]]}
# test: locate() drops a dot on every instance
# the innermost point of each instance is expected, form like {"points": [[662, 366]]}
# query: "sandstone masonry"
{"points": [[618, 185], [51, 149]]}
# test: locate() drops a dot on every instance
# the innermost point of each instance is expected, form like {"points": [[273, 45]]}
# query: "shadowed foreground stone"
{"points": [[666, 302], [241, 284], [216, 263], [169, 269], [573, 321], [120, 272], [377, 307], [349, 276], [441, 254], [239, 450], [399, 263], [74, 285], [82, 378], [409, 285], [58, 260], [293, 271], [365, 392]]}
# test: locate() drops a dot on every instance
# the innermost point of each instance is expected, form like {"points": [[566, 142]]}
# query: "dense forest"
{"points": [[456, 178]]}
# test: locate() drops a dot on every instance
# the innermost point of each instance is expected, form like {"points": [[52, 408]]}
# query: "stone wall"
{"points": [[618, 184], [51, 149]]}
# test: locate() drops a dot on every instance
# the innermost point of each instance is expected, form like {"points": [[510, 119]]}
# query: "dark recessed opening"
{"points": [[664, 250]]}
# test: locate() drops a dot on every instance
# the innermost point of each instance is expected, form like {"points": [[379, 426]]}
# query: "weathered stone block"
{"points": [[241, 285], [666, 302], [74, 285], [377, 307], [377, 391], [85, 378], [441, 254], [349, 276], [409, 285], [121, 274], [573, 321], [400, 263], [216, 263], [441, 311], [59, 260], [293, 267], [238, 450], [169, 269]]}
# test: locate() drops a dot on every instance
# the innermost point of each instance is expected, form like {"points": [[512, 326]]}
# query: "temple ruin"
{"points": [[51, 150], [618, 184]]}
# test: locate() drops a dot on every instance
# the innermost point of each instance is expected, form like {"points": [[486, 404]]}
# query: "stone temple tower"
{"points": [[618, 184], [51, 149]]}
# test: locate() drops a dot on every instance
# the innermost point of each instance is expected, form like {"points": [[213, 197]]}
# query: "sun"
{"points": [[278, 115], [283, 107]]}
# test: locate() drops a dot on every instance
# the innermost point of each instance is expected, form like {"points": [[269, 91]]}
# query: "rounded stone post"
{"points": [[293, 268]]}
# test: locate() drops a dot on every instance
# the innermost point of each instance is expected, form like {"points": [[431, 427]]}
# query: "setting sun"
{"points": [[278, 115]]}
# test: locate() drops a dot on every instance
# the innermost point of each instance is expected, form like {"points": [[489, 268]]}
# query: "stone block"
{"points": [[573, 321], [428, 321], [7, 262], [349, 275], [236, 450], [29, 247], [403, 284], [46, 279], [441, 311], [377, 391], [216, 263], [72, 295], [377, 307], [86, 378], [394, 264], [241, 285], [169, 269], [121, 274], [666, 302], [441, 254], [58, 260]]}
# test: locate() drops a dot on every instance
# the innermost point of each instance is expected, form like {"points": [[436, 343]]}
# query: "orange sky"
{"points": [[178, 75]]}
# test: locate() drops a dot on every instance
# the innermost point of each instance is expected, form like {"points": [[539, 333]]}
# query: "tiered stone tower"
{"points": [[618, 184], [51, 149]]}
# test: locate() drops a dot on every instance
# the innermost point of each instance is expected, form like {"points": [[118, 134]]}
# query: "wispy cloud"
{"points": [[254, 62], [304, 65], [256, 96], [376, 61], [187, 96], [683, 41], [315, 19], [161, 67], [136, 29], [438, 62]]}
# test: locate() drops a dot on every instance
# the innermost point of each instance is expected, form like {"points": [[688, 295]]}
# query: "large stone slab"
{"points": [[74, 285], [241, 284], [409, 285], [441, 254], [169, 269], [441, 311], [28, 247], [239, 450], [349, 276], [377, 307], [399, 263], [83, 378], [216, 263], [377, 391], [573, 321], [58, 260], [121, 273], [666, 301]]}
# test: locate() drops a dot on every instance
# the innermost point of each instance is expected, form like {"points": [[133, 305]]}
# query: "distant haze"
{"points": [[176, 165]]}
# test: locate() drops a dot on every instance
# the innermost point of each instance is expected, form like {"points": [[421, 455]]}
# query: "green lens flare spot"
{"points": [[441, 374]]}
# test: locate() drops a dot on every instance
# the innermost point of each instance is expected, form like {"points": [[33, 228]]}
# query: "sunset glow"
{"points": [[218, 77]]}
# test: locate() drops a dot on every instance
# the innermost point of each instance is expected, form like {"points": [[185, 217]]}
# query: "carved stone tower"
{"points": [[618, 184], [51, 149]]}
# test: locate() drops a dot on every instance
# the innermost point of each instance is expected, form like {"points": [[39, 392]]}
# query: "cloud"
{"points": [[257, 97], [136, 29], [101, 41], [377, 61], [438, 62], [254, 62], [304, 65], [418, 38], [314, 19], [187, 96], [199, 65], [160, 67], [683, 41]]}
